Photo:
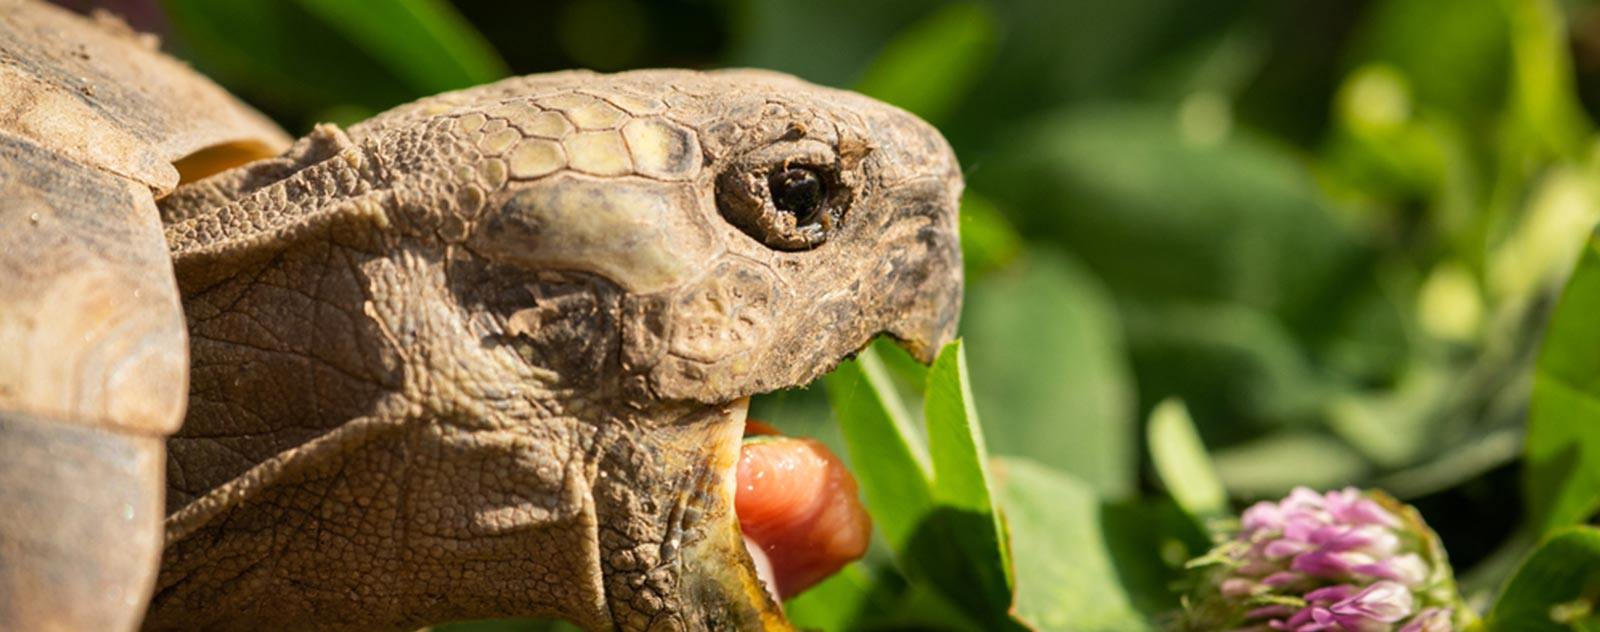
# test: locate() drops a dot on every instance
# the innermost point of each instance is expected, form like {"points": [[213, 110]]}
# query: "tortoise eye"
{"points": [[784, 201], [800, 192]]}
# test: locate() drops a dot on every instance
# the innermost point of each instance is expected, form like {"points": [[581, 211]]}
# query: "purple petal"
{"points": [[1331, 594], [1270, 612], [1384, 601], [1349, 506], [1279, 549], [1282, 578], [1323, 564], [1263, 516]]}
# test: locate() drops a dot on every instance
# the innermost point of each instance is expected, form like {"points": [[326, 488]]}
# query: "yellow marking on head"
{"points": [[596, 115], [536, 157], [493, 172], [471, 122], [599, 153], [662, 149], [497, 142], [545, 124]]}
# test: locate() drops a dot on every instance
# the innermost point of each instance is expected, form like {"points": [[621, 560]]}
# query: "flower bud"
{"points": [[1341, 561]]}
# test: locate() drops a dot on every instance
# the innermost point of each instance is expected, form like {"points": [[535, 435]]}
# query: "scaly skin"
{"points": [[484, 355]]}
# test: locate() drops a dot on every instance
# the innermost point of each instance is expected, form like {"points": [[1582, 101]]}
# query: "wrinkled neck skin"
{"points": [[386, 430]]}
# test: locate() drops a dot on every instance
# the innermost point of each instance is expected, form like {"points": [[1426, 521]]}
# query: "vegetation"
{"points": [[1333, 230]]}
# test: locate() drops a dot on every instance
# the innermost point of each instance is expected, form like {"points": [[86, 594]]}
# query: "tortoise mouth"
{"points": [[799, 513]]}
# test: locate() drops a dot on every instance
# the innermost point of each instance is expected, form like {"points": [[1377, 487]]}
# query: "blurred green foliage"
{"points": [[1333, 229]]}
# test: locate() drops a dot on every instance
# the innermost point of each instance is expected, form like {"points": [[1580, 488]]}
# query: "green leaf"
{"points": [[889, 463], [1181, 461], [1274, 464], [1545, 98], [1071, 404], [1556, 588], [1069, 565], [424, 42], [309, 57], [1255, 267], [932, 64], [965, 516], [279, 56], [1563, 443]]}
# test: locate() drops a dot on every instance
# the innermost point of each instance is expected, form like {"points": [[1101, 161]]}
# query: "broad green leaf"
{"points": [[1070, 404], [889, 464], [425, 42], [964, 516], [1181, 461], [932, 64], [1563, 443], [1067, 566], [1556, 588]]}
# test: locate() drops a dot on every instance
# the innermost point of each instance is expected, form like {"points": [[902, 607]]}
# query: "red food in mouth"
{"points": [[798, 509]]}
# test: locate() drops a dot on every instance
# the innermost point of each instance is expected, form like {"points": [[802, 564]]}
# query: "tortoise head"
{"points": [[763, 228], [557, 293]]}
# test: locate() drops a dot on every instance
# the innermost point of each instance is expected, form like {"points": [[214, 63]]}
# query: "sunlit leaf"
{"points": [[1071, 553], [1555, 590], [888, 463], [1563, 442], [1180, 458], [963, 490], [1050, 372]]}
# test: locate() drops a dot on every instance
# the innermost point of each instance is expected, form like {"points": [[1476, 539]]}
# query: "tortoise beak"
{"points": [[719, 575], [925, 290], [686, 563]]}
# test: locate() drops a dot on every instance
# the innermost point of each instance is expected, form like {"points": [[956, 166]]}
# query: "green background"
{"points": [[1333, 229]]}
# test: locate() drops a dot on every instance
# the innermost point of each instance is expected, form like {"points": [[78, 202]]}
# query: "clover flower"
{"points": [[1340, 561]]}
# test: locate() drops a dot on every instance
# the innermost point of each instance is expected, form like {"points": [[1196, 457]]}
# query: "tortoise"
{"points": [[484, 355]]}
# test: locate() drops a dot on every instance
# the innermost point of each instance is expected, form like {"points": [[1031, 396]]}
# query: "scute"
{"points": [[92, 121], [102, 95]]}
